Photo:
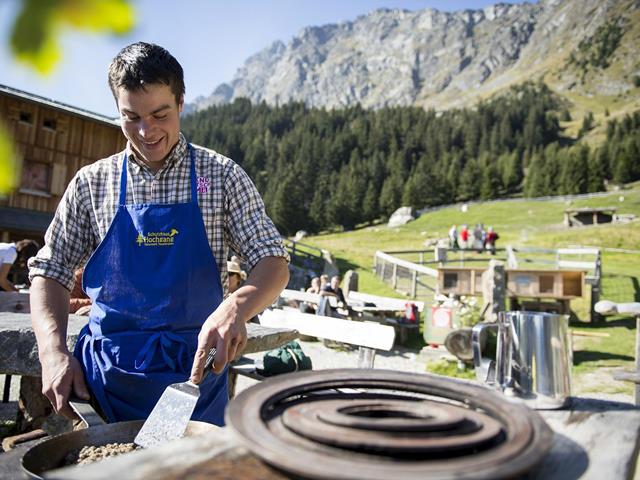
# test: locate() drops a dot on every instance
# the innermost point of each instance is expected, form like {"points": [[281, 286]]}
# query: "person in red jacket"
{"points": [[491, 240], [464, 236]]}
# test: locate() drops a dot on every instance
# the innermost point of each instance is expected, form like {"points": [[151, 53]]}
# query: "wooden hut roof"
{"points": [[81, 112]]}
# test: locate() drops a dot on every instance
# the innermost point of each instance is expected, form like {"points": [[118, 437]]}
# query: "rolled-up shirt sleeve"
{"points": [[68, 240], [250, 232]]}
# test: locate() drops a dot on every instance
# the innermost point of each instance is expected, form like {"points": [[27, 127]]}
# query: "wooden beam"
{"points": [[364, 334], [383, 303]]}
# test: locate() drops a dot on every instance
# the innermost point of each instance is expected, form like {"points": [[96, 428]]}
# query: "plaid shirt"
{"points": [[231, 207]]}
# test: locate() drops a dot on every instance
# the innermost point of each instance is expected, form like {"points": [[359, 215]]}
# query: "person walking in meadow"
{"points": [[453, 237], [491, 239], [464, 237], [478, 238]]}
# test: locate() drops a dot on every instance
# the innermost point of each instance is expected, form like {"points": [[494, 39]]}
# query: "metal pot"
{"points": [[50, 454], [533, 358]]}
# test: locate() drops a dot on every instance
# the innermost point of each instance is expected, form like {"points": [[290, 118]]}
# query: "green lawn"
{"points": [[524, 223]]}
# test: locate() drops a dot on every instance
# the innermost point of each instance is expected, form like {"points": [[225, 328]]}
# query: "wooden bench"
{"points": [[17, 302], [367, 336], [384, 310], [306, 297], [382, 303]]}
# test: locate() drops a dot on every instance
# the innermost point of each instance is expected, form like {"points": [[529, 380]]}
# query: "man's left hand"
{"points": [[226, 331]]}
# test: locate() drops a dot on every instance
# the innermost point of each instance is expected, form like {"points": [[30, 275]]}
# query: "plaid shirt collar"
{"points": [[177, 155]]}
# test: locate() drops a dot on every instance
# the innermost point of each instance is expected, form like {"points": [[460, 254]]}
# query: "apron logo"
{"points": [[157, 239], [203, 184]]}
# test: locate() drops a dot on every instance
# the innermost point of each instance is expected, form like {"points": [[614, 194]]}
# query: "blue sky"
{"points": [[210, 38]]}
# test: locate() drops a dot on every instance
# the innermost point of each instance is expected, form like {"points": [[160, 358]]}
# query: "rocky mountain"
{"points": [[440, 60]]}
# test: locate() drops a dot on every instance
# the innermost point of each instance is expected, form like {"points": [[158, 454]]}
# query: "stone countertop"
{"points": [[19, 352], [594, 439]]}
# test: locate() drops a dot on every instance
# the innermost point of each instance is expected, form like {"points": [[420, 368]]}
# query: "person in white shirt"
{"points": [[13, 259]]}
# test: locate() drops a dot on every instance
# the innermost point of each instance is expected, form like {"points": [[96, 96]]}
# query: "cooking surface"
{"points": [[382, 424], [595, 439]]}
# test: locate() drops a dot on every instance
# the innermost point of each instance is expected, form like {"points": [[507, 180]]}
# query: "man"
{"points": [[236, 274], [157, 220], [331, 290]]}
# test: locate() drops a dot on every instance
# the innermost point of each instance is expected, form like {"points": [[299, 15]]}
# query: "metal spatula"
{"points": [[169, 418]]}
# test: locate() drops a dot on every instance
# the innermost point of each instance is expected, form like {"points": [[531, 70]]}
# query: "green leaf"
{"points": [[9, 162], [115, 16], [37, 26]]}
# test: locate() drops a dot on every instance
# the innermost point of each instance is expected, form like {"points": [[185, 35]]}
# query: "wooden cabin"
{"points": [[54, 140], [557, 284], [460, 280], [577, 217], [552, 284]]}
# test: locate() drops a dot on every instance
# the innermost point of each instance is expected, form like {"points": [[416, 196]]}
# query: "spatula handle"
{"points": [[85, 411], [209, 363]]}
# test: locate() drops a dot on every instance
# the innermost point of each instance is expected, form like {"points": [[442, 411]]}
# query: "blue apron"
{"points": [[153, 281]]}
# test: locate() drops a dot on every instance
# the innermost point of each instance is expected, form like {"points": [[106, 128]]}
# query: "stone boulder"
{"points": [[401, 216]]}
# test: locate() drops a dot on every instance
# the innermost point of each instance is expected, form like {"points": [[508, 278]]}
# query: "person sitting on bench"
{"points": [[331, 290]]}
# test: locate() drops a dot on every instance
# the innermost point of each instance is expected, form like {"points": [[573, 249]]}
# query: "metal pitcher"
{"points": [[533, 357]]}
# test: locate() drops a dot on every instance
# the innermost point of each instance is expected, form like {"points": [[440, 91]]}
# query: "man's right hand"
{"points": [[61, 372]]}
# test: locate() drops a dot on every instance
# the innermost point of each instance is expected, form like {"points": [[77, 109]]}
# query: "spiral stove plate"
{"points": [[380, 424]]}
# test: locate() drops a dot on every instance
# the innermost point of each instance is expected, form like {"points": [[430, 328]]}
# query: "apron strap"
{"points": [[123, 182], [194, 183]]}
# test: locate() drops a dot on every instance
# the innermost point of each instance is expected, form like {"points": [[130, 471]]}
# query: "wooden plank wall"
{"points": [[74, 142]]}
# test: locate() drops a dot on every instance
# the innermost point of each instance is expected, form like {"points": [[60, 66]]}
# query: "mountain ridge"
{"points": [[434, 59]]}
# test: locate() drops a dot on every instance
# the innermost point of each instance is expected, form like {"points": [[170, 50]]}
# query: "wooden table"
{"points": [[19, 356], [594, 439]]}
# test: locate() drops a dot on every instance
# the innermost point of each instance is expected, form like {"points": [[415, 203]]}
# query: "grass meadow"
{"points": [[530, 223]]}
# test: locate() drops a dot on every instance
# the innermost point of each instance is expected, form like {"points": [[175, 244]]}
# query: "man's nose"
{"points": [[145, 127]]}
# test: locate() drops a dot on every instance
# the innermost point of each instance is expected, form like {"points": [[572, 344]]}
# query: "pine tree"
{"points": [[534, 179], [490, 186], [575, 172], [370, 208], [469, 187], [391, 194], [597, 172]]}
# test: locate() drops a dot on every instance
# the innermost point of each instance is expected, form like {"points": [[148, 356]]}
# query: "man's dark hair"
{"points": [[142, 64]]}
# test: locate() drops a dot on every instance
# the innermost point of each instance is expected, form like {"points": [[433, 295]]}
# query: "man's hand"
{"points": [[225, 328], [62, 374], [226, 331]]}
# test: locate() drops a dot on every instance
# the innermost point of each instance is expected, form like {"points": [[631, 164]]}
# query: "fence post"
{"points": [[414, 283], [395, 275], [595, 290]]}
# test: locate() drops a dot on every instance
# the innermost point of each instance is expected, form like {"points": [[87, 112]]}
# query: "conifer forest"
{"points": [[320, 169]]}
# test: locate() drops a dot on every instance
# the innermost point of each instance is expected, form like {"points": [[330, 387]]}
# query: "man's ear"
{"points": [[181, 104]]}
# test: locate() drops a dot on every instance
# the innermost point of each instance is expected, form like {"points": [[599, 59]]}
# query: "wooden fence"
{"points": [[412, 276], [414, 280]]}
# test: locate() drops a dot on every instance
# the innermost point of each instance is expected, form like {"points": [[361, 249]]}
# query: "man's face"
{"points": [[335, 282], [151, 122]]}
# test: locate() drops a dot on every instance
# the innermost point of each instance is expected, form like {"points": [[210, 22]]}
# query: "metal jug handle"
{"points": [[484, 367]]}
